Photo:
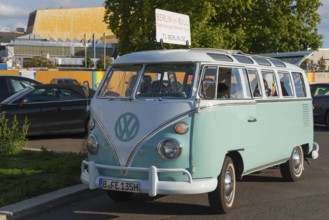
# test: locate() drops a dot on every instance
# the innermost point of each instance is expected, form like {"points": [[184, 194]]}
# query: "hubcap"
{"points": [[229, 186], [297, 162]]}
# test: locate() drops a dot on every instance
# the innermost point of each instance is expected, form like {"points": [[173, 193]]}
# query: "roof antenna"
{"points": [[188, 45], [161, 42]]}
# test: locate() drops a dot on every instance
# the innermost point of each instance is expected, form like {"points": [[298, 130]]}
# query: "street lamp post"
{"points": [[85, 44], [104, 37]]}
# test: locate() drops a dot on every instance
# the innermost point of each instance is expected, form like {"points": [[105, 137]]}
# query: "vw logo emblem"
{"points": [[126, 127]]}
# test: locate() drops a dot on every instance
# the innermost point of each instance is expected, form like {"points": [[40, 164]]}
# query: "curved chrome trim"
{"points": [[160, 148], [155, 131], [106, 135]]}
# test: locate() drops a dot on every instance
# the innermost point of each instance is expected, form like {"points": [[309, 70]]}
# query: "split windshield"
{"points": [[157, 80]]}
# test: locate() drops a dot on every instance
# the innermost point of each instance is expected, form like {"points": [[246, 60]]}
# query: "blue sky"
{"points": [[14, 13]]}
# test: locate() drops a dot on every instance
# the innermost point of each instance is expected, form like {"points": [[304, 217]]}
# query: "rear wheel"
{"points": [[222, 198], [292, 170], [119, 196]]}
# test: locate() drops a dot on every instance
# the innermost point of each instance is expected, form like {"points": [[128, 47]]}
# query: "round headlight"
{"points": [[91, 124], [169, 149], [92, 144]]}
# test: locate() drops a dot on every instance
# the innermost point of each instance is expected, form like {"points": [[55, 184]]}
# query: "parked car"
{"points": [[64, 81], [320, 95], [10, 84], [71, 81], [49, 109]]}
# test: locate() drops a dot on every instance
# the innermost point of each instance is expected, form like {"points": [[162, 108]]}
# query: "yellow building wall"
{"points": [[10, 72], [93, 77], [70, 23], [46, 76]]}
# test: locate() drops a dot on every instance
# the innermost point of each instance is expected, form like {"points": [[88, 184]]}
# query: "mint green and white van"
{"points": [[162, 124]]}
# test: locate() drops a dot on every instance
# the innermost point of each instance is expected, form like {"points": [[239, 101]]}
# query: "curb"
{"points": [[30, 206]]}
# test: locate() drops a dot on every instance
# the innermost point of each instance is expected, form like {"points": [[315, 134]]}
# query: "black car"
{"points": [[11, 84], [49, 109], [64, 81], [320, 95]]}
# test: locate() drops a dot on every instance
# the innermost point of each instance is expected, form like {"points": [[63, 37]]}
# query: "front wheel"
{"points": [[119, 196], [222, 198], [292, 169]]}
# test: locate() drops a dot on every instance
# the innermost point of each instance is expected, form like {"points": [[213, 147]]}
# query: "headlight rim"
{"points": [[161, 152], [91, 124], [92, 149]]}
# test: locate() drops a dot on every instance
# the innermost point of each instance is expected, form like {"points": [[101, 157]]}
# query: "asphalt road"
{"points": [[259, 196]]}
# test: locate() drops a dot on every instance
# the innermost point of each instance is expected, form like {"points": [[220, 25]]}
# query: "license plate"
{"points": [[118, 185]]}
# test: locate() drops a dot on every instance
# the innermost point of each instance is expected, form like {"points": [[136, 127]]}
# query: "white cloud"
{"points": [[10, 11]]}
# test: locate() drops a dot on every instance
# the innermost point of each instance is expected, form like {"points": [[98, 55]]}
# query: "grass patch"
{"points": [[28, 173]]}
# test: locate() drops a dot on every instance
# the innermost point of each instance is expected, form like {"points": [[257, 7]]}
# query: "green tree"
{"points": [[100, 62], [322, 64], [254, 26], [39, 61], [89, 61]]}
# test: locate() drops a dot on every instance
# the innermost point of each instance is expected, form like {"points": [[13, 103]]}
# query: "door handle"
{"points": [[251, 119]]}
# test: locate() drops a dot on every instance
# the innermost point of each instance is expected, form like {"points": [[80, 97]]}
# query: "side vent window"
{"points": [[254, 83]]}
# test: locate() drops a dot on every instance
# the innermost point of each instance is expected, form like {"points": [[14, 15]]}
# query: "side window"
{"points": [[67, 94], [18, 84], [285, 83], [42, 95], [233, 84], [299, 84], [224, 80], [254, 83], [270, 84], [239, 84]]}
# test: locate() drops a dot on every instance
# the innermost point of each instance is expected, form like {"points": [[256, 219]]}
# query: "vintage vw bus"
{"points": [[160, 124]]}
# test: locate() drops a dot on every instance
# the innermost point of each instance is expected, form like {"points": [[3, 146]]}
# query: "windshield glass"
{"points": [[166, 80], [120, 82], [158, 80]]}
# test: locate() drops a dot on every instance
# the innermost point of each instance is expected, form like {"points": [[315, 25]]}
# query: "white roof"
{"points": [[191, 55]]}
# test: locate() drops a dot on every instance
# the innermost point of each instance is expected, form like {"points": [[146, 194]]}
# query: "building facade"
{"points": [[68, 24], [63, 35]]}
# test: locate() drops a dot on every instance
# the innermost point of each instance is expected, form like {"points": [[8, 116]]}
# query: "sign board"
{"points": [[28, 74], [172, 28]]}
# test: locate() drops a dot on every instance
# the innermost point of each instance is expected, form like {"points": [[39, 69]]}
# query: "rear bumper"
{"points": [[152, 186], [315, 151]]}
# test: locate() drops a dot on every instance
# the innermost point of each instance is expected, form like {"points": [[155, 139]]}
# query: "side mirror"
{"points": [[85, 87], [208, 88], [21, 101]]}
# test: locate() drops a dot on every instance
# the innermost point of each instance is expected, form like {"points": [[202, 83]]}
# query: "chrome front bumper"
{"points": [[152, 186]]}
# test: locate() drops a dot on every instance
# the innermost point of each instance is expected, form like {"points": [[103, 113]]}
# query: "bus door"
{"points": [[230, 110]]}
